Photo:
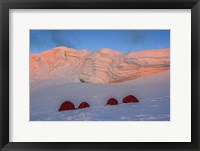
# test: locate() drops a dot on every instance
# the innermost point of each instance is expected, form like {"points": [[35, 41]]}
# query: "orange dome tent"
{"points": [[112, 101], [130, 98], [83, 105], [68, 105]]}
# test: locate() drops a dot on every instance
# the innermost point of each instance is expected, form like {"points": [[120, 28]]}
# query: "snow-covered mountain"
{"points": [[67, 65], [63, 74]]}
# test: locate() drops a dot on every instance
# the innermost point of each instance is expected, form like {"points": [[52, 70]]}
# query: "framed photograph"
{"points": [[91, 75]]}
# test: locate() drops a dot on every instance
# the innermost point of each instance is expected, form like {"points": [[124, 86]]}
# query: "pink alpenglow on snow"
{"points": [[67, 65], [68, 105], [130, 98]]}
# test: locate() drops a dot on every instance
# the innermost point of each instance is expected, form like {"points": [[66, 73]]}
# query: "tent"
{"points": [[112, 101], [130, 98], [68, 105], [83, 105]]}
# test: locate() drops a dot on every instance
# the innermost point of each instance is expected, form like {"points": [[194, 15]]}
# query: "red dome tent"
{"points": [[68, 105], [130, 98], [112, 101], [83, 105]]}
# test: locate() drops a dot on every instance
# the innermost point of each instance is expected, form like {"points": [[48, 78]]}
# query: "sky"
{"points": [[120, 40]]}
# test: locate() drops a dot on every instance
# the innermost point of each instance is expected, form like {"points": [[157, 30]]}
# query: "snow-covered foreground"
{"points": [[153, 92]]}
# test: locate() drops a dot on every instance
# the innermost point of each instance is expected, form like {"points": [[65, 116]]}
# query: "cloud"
{"points": [[47, 39], [61, 38], [136, 38]]}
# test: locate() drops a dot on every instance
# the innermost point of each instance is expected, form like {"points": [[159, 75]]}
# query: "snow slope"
{"points": [[153, 91]]}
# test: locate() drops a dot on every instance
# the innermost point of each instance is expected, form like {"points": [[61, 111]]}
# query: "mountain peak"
{"points": [[109, 51], [102, 66]]}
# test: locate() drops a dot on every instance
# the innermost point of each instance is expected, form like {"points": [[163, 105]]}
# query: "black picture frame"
{"points": [[5, 5]]}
